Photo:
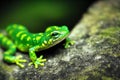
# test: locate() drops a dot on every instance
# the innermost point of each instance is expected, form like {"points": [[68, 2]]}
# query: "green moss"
{"points": [[106, 78], [109, 35], [112, 34], [111, 31], [106, 41]]}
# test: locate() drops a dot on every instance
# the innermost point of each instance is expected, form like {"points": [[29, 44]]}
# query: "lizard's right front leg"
{"points": [[36, 61]]}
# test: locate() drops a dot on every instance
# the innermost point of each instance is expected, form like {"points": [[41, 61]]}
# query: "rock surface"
{"points": [[95, 56]]}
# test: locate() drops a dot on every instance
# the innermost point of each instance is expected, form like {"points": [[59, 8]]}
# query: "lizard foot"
{"points": [[18, 61], [39, 61], [68, 43]]}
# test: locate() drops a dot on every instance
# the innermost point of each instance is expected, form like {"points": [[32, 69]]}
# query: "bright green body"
{"points": [[31, 42]]}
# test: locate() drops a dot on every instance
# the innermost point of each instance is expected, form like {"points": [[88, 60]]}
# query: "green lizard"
{"points": [[25, 41]]}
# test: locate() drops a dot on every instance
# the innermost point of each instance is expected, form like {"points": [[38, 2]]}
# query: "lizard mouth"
{"points": [[59, 40], [56, 41]]}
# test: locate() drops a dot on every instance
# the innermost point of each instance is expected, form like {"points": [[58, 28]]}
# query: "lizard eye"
{"points": [[55, 34]]}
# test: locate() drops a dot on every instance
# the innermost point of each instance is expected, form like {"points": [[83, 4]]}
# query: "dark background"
{"points": [[37, 15]]}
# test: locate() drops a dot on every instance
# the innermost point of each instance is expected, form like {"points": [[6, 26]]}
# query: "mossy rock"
{"points": [[95, 55]]}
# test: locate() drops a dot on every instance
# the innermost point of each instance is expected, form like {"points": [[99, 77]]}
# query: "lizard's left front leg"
{"points": [[68, 43], [36, 61]]}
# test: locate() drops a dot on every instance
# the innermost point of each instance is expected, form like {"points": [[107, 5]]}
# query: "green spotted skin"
{"points": [[21, 38], [8, 55]]}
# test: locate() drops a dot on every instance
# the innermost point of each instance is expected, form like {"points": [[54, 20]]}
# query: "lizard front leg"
{"points": [[68, 42], [36, 61]]}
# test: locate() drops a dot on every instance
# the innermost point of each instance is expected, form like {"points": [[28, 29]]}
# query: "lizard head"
{"points": [[55, 34]]}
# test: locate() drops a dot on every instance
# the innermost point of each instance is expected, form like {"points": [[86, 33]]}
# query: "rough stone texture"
{"points": [[95, 56]]}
